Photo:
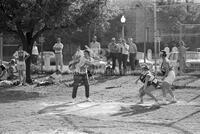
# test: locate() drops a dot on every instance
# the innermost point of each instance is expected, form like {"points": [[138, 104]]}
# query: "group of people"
{"points": [[151, 83], [120, 51]]}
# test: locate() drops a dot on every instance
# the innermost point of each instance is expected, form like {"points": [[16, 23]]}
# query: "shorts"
{"points": [[170, 77], [21, 66]]}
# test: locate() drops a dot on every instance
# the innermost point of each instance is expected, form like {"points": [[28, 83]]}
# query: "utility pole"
{"points": [[155, 35]]}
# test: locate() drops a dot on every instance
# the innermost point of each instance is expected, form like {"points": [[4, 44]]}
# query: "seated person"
{"points": [[3, 73], [11, 69]]}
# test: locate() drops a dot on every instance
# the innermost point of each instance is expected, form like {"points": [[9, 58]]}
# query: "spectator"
{"points": [[20, 55], [114, 50], [78, 53], [95, 46], [133, 53], [35, 53], [58, 47], [125, 52], [3, 73], [11, 69], [182, 56]]}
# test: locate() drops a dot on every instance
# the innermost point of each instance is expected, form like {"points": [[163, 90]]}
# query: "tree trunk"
{"points": [[28, 48]]}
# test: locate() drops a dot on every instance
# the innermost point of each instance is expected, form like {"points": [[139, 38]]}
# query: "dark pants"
{"points": [[114, 58], [132, 60], [124, 60], [34, 59], [80, 79]]}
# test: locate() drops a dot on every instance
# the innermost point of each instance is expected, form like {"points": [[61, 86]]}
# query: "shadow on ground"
{"points": [[135, 109], [8, 95]]}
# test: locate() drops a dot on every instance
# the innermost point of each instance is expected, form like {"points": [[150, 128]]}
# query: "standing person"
{"points": [[125, 52], [3, 73], [114, 50], [35, 53], [168, 78], [133, 53], [78, 53], [20, 55], [95, 46], [182, 56], [81, 76], [58, 47]]}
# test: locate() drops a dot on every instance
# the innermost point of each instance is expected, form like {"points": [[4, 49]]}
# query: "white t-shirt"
{"points": [[58, 47], [35, 50], [125, 49]]}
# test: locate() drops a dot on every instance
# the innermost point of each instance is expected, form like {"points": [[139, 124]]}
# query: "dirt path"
{"points": [[45, 110]]}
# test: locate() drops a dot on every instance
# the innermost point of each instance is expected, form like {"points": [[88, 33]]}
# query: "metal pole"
{"points": [[145, 35], [1, 48], [122, 30], [155, 36]]}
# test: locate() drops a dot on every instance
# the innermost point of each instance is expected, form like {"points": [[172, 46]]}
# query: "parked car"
{"points": [[192, 60], [48, 53]]}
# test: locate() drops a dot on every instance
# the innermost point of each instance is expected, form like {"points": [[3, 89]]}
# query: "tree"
{"points": [[30, 18]]}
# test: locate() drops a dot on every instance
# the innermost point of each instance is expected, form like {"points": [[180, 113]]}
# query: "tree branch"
{"points": [[40, 32]]}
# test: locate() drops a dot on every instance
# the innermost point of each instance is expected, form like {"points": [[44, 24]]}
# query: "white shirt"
{"points": [[95, 47], [58, 47], [35, 50], [132, 48], [125, 49]]}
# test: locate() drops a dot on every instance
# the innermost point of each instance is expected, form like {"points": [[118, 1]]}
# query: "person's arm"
{"points": [[137, 80], [26, 55], [15, 55], [54, 47]]}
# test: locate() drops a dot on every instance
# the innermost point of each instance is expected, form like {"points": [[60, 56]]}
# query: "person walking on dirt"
{"points": [[58, 47], [21, 57], [168, 76], [150, 83], [81, 76]]}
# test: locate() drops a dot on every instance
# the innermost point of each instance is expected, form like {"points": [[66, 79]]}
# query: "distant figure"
{"points": [[182, 56], [125, 52], [3, 73], [95, 46], [132, 52], [20, 55], [58, 47], [11, 69], [114, 50], [35, 53], [78, 53]]}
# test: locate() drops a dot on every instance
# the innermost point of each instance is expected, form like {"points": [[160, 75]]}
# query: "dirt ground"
{"points": [[46, 110]]}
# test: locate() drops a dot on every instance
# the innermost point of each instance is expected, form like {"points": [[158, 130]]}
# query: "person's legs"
{"points": [[141, 94], [148, 91], [169, 90], [131, 61], [57, 60], [125, 57], [86, 84], [77, 79], [120, 62], [134, 59], [61, 62]]}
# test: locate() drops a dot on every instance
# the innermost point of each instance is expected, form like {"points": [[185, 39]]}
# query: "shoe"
{"points": [[74, 101], [174, 100], [89, 100]]}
